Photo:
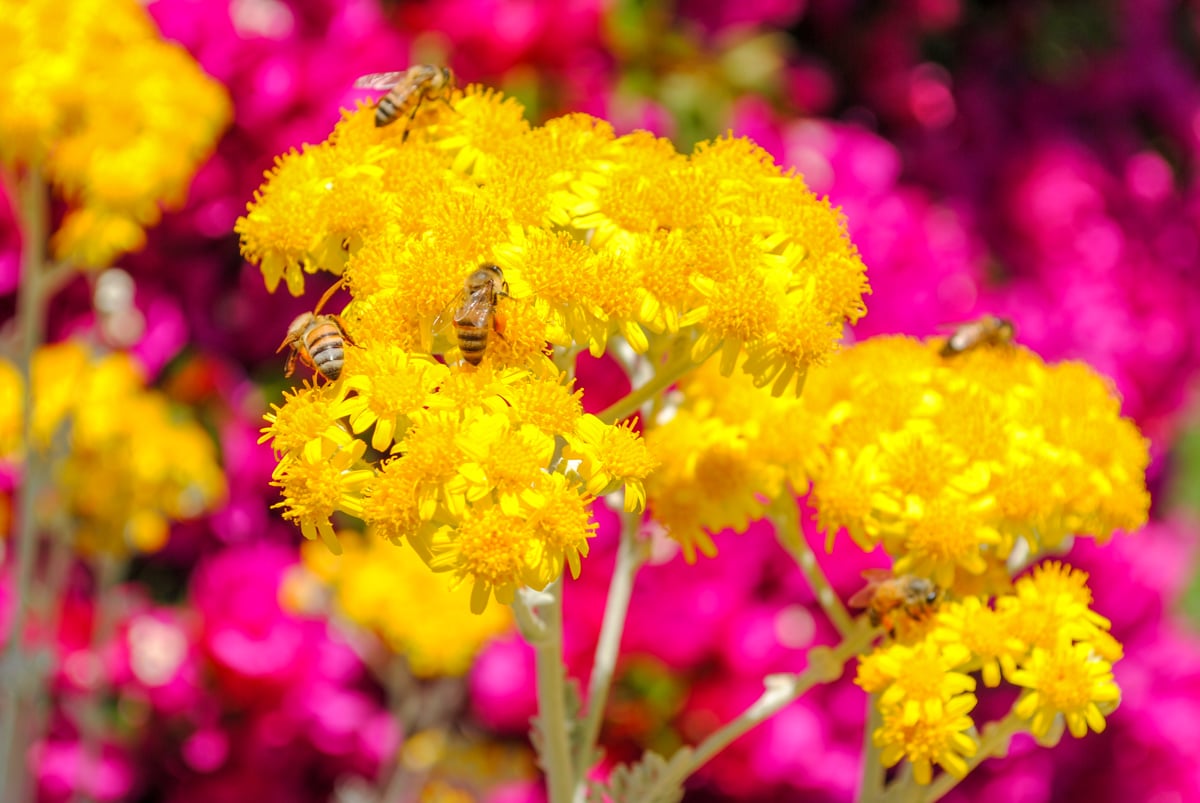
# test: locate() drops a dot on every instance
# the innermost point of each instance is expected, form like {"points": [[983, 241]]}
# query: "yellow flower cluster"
{"points": [[1042, 637], [393, 594], [951, 463], [487, 473], [598, 236], [116, 118], [726, 450], [125, 462]]}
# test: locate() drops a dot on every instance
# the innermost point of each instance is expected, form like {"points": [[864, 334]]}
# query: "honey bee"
{"points": [[407, 89], [476, 316], [886, 595], [987, 331], [318, 341]]}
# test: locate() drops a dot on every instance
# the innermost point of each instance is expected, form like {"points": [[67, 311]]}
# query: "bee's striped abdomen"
{"points": [[472, 341], [385, 111], [326, 349]]}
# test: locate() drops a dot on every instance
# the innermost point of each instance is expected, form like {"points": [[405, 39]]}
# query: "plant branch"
{"points": [[679, 365], [20, 686], [616, 608], [785, 516], [825, 665], [555, 745], [874, 774]]}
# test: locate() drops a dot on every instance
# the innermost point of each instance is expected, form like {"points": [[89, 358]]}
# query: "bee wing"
{"points": [[862, 597], [444, 322], [445, 318], [380, 80]]}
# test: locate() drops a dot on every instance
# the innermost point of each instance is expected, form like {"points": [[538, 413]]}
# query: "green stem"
{"points": [[616, 608], [994, 742], [825, 666], [786, 518], [546, 639], [108, 572], [663, 379], [19, 686], [874, 774]]}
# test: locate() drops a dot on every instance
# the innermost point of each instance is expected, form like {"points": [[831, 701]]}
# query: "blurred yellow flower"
{"points": [[116, 118], [125, 462], [950, 463], [392, 593]]}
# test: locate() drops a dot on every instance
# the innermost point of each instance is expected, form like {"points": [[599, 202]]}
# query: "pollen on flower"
{"points": [[562, 525], [1051, 601], [551, 406], [613, 456], [945, 536], [391, 503]]}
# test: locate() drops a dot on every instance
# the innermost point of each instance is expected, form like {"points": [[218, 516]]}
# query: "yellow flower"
{"points": [[1068, 680], [603, 242], [848, 494], [390, 591], [117, 119], [725, 453], [314, 488], [488, 550], [985, 632], [390, 386], [305, 422], [918, 681], [281, 230], [612, 457], [943, 740], [119, 495], [577, 220], [562, 525], [950, 461], [944, 535], [1051, 602]]}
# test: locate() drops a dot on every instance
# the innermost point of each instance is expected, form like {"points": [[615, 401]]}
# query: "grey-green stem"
{"points": [[616, 608]]}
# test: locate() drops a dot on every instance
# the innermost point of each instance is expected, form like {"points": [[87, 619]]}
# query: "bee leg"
{"points": [[342, 327], [291, 364], [412, 114]]}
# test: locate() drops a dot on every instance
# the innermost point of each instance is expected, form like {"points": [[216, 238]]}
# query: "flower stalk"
{"points": [[554, 745], [825, 665], [786, 518], [616, 608], [33, 214]]}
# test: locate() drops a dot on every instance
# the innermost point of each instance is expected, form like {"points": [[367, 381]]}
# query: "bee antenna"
{"points": [[333, 288]]}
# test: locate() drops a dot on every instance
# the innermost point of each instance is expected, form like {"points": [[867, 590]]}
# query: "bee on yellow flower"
{"points": [[584, 240]]}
